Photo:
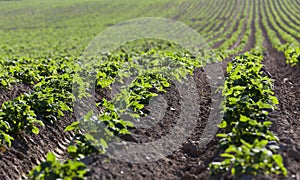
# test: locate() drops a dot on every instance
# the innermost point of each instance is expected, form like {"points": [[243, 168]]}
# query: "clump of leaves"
{"points": [[15, 116], [292, 54], [50, 99], [54, 169], [82, 144]]}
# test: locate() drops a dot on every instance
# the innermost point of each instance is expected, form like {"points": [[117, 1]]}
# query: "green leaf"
{"points": [[244, 118], [103, 143], [223, 124], [222, 135], [226, 155], [89, 136], [35, 130], [248, 145], [73, 126], [278, 159], [233, 171], [72, 149], [274, 99], [7, 138], [267, 123], [51, 157]]}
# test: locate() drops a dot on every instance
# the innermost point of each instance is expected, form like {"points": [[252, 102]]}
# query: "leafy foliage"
{"points": [[250, 147], [54, 169], [153, 70], [292, 54]]}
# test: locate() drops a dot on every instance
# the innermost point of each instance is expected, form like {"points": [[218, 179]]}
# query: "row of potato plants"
{"points": [[215, 19], [152, 82], [242, 13], [249, 147], [48, 100], [52, 168], [290, 10], [135, 97], [292, 6], [203, 15], [290, 48], [281, 11], [228, 48], [31, 70], [225, 29]]}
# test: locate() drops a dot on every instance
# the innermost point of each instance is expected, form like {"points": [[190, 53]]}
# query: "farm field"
{"points": [[44, 83]]}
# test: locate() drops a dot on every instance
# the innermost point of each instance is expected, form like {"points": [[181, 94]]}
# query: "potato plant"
{"points": [[249, 147]]}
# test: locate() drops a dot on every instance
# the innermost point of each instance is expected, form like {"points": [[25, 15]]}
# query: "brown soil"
{"points": [[237, 9], [281, 19], [28, 150], [286, 118], [189, 161], [13, 92], [251, 40], [219, 43]]}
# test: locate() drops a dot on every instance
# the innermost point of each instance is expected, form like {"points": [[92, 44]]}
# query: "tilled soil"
{"points": [[286, 118], [189, 161], [28, 150], [13, 92]]}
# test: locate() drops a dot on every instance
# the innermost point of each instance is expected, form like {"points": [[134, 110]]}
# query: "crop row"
{"points": [[214, 22], [284, 27], [51, 77], [291, 10], [287, 22], [136, 96], [216, 18], [235, 23], [48, 101], [201, 14], [250, 147], [291, 48], [224, 30], [274, 23]]}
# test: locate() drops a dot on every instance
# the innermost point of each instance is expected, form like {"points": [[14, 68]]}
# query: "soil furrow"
{"points": [[219, 43], [279, 26], [271, 26], [244, 27], [187, 162], [284, 118], [251, 40], [28, 150], [15, 91]]}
